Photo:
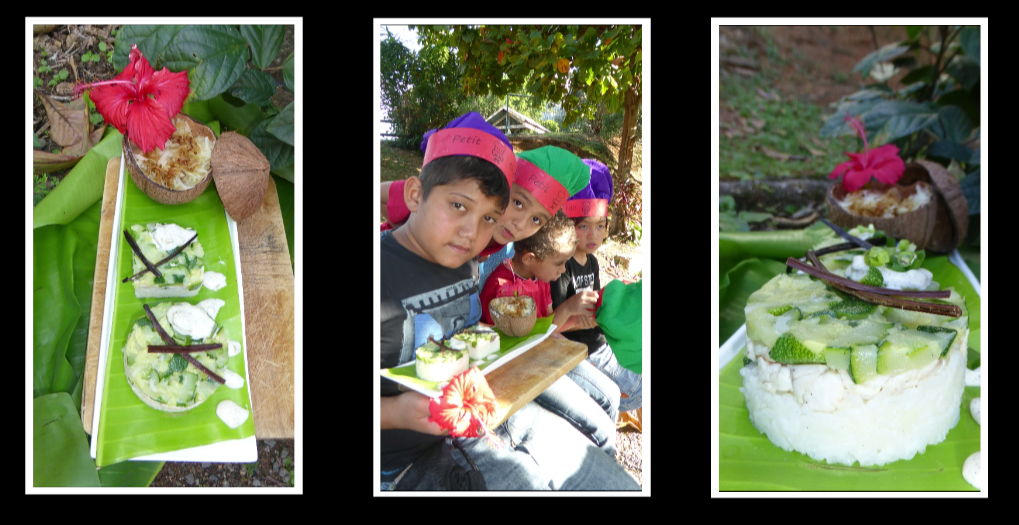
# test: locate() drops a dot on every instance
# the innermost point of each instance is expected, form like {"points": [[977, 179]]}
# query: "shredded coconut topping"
{"points": [[182, 162]]}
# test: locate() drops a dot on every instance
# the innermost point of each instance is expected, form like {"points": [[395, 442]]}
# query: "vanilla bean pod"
{"points": [[201, 367], [138, 252], [166, 259], [169, 341], [839, 248], [842, 233], [172, 349], [881, 296]]}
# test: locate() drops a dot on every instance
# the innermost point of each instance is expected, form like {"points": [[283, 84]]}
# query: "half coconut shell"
{"points": [[952, 222], [153, 189], [939, 226], [513, 326], [917, 225], [241, 172]]}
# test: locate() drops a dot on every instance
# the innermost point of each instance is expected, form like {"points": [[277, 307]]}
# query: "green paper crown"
{"points": [[562, 165]]}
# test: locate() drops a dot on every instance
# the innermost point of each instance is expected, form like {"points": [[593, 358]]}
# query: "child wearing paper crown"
{"points": [[429, 275], [619, 359], [464, 185], [533, 202], [585, 397], [558, 174]]}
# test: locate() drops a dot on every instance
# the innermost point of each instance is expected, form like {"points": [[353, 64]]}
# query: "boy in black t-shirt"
{"points": [[589, 210]]}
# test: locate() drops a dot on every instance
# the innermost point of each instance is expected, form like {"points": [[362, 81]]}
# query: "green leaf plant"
{"points": [[936, 116]]}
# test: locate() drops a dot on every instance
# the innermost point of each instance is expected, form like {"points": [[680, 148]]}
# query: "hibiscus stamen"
{"points": [[78, 89]]}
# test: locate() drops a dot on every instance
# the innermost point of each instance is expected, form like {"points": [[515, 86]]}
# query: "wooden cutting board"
{"points": [[521, 380], [268, 311]]}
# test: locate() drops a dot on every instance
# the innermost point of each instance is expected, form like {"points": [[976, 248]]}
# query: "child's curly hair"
{"points": [[555, 236]]}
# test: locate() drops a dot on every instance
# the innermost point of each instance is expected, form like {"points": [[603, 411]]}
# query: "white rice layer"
{"points": [[819, 412]]}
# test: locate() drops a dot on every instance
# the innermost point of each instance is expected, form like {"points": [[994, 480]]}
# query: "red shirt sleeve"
{"points": [[503, 277], [396, 208]]}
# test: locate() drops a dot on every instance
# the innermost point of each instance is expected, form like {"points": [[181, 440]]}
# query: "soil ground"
{"points": [[808, 63], [274, 468]]}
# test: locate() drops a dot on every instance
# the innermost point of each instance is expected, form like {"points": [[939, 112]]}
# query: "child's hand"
{"points": [[584, 322], [413, 408], [581, 304]]}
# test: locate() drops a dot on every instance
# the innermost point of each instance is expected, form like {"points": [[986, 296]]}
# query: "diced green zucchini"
{"points": [[837, 357], [782, 309], [863, 363], [162, 365], [789, 350], [805, 321], [945, 336], [853, 309], [760, 327], [188, 383], [906, 350], [862, 332], [206, 388], [221, 356], [815, 335]]}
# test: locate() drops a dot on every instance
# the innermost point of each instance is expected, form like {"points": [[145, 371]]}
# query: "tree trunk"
{"points": [[628, 137]]}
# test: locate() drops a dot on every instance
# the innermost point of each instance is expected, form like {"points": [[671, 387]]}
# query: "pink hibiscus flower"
{"points": [[882, 163]]}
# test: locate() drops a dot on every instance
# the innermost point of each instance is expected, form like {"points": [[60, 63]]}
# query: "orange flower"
{"points": [[466, 407]]}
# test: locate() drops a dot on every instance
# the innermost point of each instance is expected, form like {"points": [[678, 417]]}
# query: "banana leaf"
{"points": [[748, 461], [57, 434], [129, 428]]}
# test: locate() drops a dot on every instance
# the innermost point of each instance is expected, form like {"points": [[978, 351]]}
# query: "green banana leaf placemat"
{"points": [[128, 428], [748, 461]]}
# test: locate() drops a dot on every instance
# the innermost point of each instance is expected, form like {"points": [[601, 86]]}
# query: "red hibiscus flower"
{"points": [[882, 163], [466, 407], [140, 101]]}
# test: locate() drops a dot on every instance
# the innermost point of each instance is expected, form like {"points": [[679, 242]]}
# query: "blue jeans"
{"points": [[538, 450], [589, 400], [629, 382], [542, 451]]}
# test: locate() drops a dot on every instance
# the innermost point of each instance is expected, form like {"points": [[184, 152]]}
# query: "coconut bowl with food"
{"points": [[514, 316], [179, 171], [926, 206], [193, 156]]}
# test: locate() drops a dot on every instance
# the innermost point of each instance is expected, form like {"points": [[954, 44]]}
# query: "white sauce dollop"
{"points": [[912, 280], [971, 469], [231, 413], [233, 379], [973, 377], [233, 348], [166, 237], [974, 409], [213, 280], [211, 306], [188, 319]]}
